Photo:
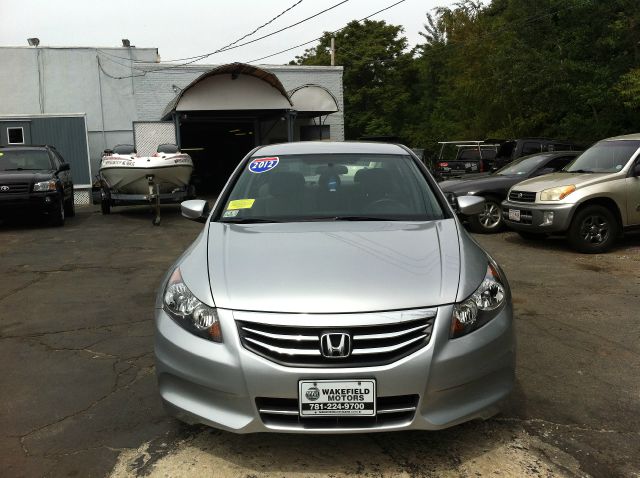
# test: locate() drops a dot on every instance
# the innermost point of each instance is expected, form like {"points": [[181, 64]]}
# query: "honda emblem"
{"points": [[335, 345], [4, 188]]}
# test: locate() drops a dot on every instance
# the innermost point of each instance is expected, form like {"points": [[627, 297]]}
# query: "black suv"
{"points": [[515, 148], [35, 180]]}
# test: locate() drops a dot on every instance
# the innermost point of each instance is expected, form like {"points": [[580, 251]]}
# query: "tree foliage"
{"points": [[511, 68]]}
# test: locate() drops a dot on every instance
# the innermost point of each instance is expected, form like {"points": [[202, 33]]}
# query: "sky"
{"points": [[186, 28]]}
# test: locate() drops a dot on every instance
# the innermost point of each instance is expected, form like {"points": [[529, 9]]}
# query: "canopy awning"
{"points": [[231, 87], [313, 100]]}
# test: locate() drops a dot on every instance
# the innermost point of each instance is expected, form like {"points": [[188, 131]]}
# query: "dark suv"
{"points": [[516, 148], [35, 180]]}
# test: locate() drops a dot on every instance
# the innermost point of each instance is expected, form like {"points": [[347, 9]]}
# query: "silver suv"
{"points": [[593, 200]]}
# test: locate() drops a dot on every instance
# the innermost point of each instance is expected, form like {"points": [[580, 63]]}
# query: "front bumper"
{"points": [[29, 203], [532, 216], [220, 384]]}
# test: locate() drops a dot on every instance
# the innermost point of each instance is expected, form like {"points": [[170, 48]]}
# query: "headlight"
{"points": [[191, 314], [556, 194], [45, 186], [483, 305]]}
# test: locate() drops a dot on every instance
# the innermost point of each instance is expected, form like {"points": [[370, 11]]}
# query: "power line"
{"points": [[331, 33], [239, 39], [206, 55]]}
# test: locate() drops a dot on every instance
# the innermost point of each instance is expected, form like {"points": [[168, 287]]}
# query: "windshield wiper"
{"points": [[21, 169], [248, 220], [346, 218], [578, 171]]}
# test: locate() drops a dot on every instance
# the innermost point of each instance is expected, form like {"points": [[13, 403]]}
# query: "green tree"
{"points": [[378, 76]]}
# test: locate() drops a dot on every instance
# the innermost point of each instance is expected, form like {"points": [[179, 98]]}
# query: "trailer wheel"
{"points": [[105, 206]]}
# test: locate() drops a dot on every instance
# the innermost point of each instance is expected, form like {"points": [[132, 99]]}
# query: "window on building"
{"points": [[315, 132], [15, 135]]}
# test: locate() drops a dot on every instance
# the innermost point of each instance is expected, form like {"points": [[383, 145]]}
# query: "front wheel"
{"points": [[70, 207], [593, 230], [489, 220], [56, 217]]}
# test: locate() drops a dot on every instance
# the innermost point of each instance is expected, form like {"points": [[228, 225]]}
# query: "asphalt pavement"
{"points": [[78, 394]]}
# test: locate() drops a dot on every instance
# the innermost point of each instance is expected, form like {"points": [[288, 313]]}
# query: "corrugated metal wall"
{"points": [[69, 136]]}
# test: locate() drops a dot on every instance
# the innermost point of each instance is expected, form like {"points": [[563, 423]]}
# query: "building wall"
{"points": [[113, 92], [155, 90], [74, 80]]}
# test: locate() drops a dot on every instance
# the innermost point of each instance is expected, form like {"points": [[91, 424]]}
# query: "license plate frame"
{"points": [[514, 215], [360, 404]]}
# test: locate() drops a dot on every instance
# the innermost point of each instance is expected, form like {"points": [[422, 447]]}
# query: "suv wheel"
{"points": [[56, 217], [593, 230], [489, 220], [70, 207]]}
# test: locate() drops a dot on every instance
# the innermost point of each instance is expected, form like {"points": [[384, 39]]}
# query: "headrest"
{"points": [[332, 169], [124, 149], [285, 183], [168, 148], [375, 180]]}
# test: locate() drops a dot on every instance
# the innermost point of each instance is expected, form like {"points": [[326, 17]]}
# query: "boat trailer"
{"points": [[107, 198]]}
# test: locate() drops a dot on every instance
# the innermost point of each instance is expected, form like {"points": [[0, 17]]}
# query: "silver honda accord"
{"points": [[333, 290]]}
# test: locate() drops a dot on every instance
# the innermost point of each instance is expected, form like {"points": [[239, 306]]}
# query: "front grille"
{"points": [[14, 188], [371, 345], [391, 411], [522, 196]]}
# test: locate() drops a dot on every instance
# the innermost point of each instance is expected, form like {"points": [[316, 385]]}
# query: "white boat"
{"points": [[127, 173]]}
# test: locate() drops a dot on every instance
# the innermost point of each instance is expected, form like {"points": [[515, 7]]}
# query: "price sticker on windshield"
{"points": [[262, 165]]}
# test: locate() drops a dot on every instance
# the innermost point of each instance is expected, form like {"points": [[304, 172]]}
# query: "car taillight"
{"points": [[443, 165]]}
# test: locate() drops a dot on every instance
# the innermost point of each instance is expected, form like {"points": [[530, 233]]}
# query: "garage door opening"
{"points": [[216, 148]]}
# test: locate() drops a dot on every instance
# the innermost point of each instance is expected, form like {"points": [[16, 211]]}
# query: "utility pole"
{"points": [[333, 51]]}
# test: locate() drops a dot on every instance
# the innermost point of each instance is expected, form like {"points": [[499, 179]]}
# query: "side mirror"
{"points": [[470, 205], [195, 209], [64, 167]]}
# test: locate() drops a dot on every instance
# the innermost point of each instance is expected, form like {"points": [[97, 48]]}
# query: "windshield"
{"points": [[24, 159], [524, 165], [604, 157], [326, 187]]}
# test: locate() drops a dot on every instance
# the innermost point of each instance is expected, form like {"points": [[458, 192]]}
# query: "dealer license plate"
{"points": [[514, 215], [337, 397]]}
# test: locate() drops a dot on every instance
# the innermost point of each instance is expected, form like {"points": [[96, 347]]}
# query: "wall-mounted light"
{"points": [[33, 41]]}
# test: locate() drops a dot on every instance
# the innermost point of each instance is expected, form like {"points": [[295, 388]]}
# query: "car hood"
{"points": [[563, 179], [333, 267], [477, 184], [24, 176]]}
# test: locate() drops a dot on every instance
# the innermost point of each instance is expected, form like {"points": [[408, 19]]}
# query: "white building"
{"points": [[219, 112]]}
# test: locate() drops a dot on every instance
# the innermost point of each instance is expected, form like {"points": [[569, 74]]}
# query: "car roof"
{"points": [[626, 137], [25, 146], [330, 147]]}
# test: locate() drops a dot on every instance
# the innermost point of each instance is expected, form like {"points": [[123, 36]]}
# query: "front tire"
{"points": [[593, 230], [70, 207], [488, 221], [56, 217]]}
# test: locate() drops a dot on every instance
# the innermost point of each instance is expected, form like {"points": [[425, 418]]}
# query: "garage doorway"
{"points": [[216, 147]]}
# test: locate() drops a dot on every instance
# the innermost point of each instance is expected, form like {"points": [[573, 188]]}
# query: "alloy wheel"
{"points": [[594, 229], [490, 217]]}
